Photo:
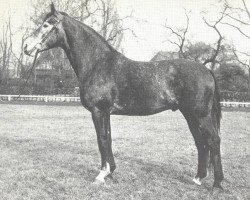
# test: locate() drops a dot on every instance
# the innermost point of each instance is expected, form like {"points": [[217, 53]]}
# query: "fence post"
{"points": [[9, 98]]}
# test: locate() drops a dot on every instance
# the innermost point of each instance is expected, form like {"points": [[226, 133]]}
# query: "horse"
{"points": [[112, 84]]}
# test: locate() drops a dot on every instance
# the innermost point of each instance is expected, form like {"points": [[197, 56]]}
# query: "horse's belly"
{"points": [[138, 111], [141, 107]]}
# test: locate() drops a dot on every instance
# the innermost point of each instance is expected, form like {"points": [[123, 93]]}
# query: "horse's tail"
{"points": [[216, 112], [216, 108]]}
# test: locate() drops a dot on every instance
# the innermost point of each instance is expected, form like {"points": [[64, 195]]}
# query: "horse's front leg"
{"points": [[102, 125]]}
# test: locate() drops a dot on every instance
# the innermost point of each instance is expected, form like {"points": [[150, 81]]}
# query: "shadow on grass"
{"points": [[170, 170]]}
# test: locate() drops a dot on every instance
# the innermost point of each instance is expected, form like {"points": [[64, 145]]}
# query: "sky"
{"points": [[149, 18]]}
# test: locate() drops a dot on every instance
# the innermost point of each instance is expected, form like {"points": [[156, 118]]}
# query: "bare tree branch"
{"points": [[116, 20], [237, 22], [238, 59], [244, 34], [175, 43], [212, 59], [230, 7], [245, 6], [180, 35], [244, 53]]}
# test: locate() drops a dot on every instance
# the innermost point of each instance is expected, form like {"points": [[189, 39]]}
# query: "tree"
{"points": [[238, 18], [5, 52], [192, 51], [231, 77], [245, 64], [216, 51], [18, 57], [198, 52]]}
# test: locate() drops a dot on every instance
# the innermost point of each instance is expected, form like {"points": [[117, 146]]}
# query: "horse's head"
{"points": [[49, 35]]}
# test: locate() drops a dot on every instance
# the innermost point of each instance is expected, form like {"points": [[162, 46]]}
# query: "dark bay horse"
{"points": [[111, 84]]}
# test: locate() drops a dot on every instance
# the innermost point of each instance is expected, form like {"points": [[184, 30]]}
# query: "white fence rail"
{"points": [[77, 99], [235, 104], [39, 98]]}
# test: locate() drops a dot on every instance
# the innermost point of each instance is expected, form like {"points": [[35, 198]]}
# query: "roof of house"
{"points": [[165, 55]]}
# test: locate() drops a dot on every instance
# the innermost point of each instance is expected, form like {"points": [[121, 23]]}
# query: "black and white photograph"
{"points": [[124, 99]]}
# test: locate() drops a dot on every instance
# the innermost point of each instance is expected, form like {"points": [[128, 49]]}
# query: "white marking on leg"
{"points": [[208, 173], [103, 173], [197, 181]]}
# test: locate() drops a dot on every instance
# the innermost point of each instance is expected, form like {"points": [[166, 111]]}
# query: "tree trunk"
{"points": [[248, 80]]}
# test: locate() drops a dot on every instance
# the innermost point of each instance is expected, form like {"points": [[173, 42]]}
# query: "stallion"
{"points": [[111, 84]]}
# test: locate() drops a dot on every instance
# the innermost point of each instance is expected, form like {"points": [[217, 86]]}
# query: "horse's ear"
{"points": [[52, 7]]}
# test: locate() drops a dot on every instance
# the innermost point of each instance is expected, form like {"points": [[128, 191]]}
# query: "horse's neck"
{"points": [[83, 48]]}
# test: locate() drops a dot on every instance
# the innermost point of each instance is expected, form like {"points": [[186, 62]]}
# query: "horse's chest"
{"points": [[95, 95]]}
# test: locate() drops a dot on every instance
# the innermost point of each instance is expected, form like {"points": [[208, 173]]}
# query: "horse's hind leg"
{"points": [[200, 142], [210, 131], [203, 162]]}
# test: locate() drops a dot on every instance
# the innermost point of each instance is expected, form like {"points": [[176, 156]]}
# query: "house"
{"points": [[54, 79], [165, 55]]}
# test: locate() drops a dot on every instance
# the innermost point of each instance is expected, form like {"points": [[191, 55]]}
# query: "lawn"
{"points": [[50, 152]]}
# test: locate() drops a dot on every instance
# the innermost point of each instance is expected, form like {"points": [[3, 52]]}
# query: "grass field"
{"points": [[50, 152]]}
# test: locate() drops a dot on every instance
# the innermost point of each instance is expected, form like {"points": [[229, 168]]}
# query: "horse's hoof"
{"points": [[109, 176], [112, 179], [112, 168], [217, 190], [217, 186], [197, 181], [98, 182]]}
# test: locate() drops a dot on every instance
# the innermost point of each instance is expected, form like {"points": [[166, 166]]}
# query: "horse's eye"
{"points": [[45, 26]]}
